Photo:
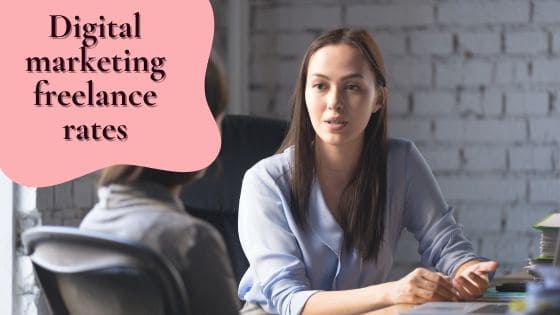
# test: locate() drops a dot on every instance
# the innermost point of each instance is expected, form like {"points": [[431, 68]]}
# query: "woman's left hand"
{"points": [[471, 279]]}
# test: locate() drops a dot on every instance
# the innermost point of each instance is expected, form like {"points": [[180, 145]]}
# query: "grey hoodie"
{"points": [[147, 213]]}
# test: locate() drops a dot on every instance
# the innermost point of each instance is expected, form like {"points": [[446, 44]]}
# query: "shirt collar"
{"points": [[322, 221]]}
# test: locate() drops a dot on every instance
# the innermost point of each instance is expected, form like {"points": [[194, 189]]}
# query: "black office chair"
{"points": [[215, 197], [89, 273]]}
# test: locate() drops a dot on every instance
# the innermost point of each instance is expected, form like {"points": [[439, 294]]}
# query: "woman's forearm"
{"points": [[344, 302]]}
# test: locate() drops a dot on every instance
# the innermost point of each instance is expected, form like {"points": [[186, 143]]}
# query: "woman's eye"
{"points": [[352, 87], [318, 86]]}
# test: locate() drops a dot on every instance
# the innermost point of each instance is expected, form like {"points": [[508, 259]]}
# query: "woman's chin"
{"points": [[338, 140], [334, 140]]}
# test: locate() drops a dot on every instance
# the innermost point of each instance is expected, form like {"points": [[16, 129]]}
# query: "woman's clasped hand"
{"points": [[472, 278], [420, 286], [423, 285]]}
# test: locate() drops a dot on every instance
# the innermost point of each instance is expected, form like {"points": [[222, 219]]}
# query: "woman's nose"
{"points": [[334, 100]]}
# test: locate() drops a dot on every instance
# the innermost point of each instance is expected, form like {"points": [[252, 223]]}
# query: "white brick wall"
{"points": [[476, 12], [480, 103], [398, 15], [284, 45], [390, 43], [509, 249], [470, 217], [544, 129], [527, 104], [274, 73], [468, 73], [409, 72], [297, 18], [527, 42], [485, 158], [437, 43], [398, 104], [480, 42], [531, 158], [546, 71], [556, 42], [419, 130], [474, 83], [293, 44], [434, 103], [480, 189], [518, 216], [546, 11], [509, 72], [544, 190], [481, 131]]}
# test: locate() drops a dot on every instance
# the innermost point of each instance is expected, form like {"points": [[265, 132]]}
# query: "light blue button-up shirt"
{"points": [[287, 265]]}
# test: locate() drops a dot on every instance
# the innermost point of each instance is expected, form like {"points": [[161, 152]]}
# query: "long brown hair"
{"points": [[215, 87], [362, 203]]}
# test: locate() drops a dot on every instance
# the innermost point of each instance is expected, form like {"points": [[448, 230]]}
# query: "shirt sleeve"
{"points": [[428, 216], [270, 245]]}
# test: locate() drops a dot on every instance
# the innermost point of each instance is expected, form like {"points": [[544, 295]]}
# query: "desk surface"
{"points": [[395, 309], [391, 310]]}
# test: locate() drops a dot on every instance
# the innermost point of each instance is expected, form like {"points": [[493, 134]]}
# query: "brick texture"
{"points": [[434, 103], [469, 73], [395, 15], [480, 42], [527, 104], [546, 11], [532, 42], [474, 83], [468, 13], [485, 158]]}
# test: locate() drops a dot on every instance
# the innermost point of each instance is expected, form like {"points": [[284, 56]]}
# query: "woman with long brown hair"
{"points": [[320, 220]]}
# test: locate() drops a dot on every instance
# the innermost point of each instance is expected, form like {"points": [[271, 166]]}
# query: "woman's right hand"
{"points": [[420, 286]]}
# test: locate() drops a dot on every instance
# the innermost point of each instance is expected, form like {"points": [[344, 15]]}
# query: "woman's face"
{"points": [[340, 94]]}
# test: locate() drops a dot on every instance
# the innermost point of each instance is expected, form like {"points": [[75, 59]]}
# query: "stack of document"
{"points": [[549, 227]]}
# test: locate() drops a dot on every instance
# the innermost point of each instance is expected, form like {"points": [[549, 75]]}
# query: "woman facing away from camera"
{"points": [[319, 222], [142, 204]]}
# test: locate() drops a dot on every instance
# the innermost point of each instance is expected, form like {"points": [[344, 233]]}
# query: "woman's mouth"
{"points": [[336, 124]]}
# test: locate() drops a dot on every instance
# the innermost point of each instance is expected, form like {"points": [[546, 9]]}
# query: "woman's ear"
{"points": [[383, 96], [380, 99]]}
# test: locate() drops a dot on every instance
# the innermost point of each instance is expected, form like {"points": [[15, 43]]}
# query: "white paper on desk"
{"points": [[447, 308]]}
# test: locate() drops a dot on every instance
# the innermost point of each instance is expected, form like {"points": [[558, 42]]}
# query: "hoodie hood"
{"points": [[129, 205]]}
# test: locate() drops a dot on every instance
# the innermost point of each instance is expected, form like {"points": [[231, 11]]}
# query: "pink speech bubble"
{"points": [[178, 133]]}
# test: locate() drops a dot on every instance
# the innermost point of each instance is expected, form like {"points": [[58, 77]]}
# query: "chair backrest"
{"points": [[215, 197], [84, 272]]}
